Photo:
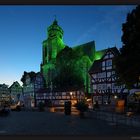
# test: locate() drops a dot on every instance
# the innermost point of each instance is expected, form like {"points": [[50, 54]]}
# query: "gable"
{"points": [[108, 55]]}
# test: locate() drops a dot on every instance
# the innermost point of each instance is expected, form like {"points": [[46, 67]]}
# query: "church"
{"points": [[54, 44]]}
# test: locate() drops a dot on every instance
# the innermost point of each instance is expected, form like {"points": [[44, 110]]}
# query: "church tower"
{"points": [[51, 47]]}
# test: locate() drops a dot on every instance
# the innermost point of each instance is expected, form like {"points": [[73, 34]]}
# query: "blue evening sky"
{"points": [[23, 28]]}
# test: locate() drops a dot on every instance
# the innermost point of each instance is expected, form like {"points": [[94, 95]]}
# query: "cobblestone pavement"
{"points": [[48, 123]]}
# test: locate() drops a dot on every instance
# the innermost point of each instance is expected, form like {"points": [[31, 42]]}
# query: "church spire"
{"points": [[55, 21], [54, 29], [54, 17]]}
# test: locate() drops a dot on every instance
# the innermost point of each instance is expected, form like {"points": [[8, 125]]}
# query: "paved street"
{"points": [[47, 123]]}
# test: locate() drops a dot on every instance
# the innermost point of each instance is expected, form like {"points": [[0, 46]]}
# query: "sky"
{"points": [[23, 29]]}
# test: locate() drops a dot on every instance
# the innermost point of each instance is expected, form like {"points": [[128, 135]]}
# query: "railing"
{"points": [[115, 118]]}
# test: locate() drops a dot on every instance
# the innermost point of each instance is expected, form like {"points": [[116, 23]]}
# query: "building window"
{"points": [[109, 63], [103, 64], [94, 75], [111, 55], [99, 86], [103, 74], [103, 86], [109, 67], [106, 56], [113, 72], [108, 74], [113, 86], [103, 68]]}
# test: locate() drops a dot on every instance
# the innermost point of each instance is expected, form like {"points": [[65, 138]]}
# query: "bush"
{"points": [[67, 107], [18, 108], [48, 103], [82, 106]]}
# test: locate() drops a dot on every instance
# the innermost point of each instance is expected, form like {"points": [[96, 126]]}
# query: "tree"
{"points": [[128, 61], [23, 77], [68, 76], [82, 106], [32, 74]]}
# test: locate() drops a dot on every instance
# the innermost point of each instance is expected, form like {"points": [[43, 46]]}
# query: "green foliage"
{"points": [[72, 69], [68, 75], [128, 62], [23, 77], [82, 106], [31, 74], [99, 54]]}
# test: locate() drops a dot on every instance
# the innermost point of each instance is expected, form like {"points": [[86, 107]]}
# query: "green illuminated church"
{"points": [[54, 45], [51, 47]]}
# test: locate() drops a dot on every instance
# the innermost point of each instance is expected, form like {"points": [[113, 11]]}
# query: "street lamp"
{"points": [[115, 97], [71, 93], [71, 97]]}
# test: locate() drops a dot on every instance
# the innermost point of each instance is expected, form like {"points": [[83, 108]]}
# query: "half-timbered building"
{"points": [[16, 91], [58, 98], [31, 84], [103, 78]]}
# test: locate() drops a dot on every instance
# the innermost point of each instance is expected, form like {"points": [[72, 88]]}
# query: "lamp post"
{"points": [[115, 95]]}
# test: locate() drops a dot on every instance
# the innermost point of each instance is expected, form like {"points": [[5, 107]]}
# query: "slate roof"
{"points": [[86, 49], [15, 83], [96, 67], [114, 50]]}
